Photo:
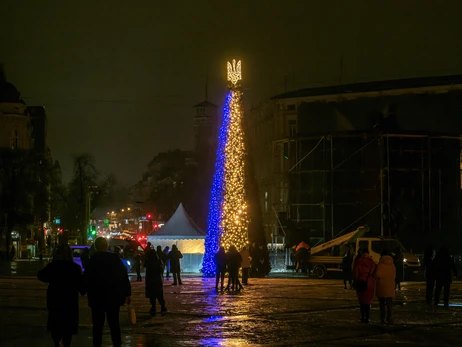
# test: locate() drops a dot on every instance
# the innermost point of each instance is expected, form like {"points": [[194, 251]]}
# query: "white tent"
{"points": [[180, 230]]}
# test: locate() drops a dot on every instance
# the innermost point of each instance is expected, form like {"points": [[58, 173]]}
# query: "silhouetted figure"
{"points": [[363, 271], [148, 247], [245, 255], [429, 274], [347, 264], [302, 254], [85, 257], [162, 257], [398, 260], [153, 279], [385, 275], [174, 256], [138, 268], [444, 269], [233, 261], [65, 281], [167, 262], [220, 267], [106, 281]]}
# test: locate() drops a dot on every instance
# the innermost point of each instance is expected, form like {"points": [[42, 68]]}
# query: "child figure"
{"points": [[385, 277]]}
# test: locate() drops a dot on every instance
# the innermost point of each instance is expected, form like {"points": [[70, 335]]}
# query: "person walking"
{"points": [[347, 270], [363, 271], [220, 267], [154, 284], [174, 256], [65, 281], [385, 276], [444, 269], [107, 285], [429, 274], [245, 255]]}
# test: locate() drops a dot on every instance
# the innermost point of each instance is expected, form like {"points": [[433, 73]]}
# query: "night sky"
{"points": [[119, 78]]}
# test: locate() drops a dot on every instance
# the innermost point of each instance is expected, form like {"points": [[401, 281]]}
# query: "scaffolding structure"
{"points": [[401, 184]]}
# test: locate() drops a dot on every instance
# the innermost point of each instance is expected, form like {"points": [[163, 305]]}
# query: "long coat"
{"points": [[245, 258], [444, 267], [154, 269], [385, 276], [65, 281], [106, 281], [398, 260], [174, 256], [220, 261], [364, 268]]}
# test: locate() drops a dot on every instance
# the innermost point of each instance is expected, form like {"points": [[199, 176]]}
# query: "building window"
{"points": [[292, 125]]}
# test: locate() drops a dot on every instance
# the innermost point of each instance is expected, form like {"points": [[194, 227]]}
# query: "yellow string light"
{"points": [[234, 217]]}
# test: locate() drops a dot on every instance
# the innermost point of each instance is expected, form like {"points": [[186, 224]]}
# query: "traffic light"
{"points": [[149, 216], [93, 230]]}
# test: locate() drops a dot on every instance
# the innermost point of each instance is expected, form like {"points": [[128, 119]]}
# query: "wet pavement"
{"points": [[268, 312]]}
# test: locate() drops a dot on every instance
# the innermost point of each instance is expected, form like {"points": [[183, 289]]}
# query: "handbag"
{"points": [[131, 314], [361, 286]]}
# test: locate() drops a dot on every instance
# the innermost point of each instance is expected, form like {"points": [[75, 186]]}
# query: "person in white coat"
{"points": [[385, 276], [245, 265]]}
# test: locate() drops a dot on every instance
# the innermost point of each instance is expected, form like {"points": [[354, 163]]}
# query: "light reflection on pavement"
{"points": [[268, 312]]}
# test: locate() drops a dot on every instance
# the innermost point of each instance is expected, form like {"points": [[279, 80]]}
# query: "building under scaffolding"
{"points": [[332, 158], [401, 185]]}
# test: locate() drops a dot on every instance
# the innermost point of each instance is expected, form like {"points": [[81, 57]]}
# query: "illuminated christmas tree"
{"points": [[227, 221]]}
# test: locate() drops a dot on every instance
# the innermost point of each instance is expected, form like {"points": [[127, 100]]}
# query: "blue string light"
{"points": [[214, 221]]}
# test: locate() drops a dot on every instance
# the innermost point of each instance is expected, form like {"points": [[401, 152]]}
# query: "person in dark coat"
{"points": [[174, 256], [106, 282], [234, 260], [85, 257], [65, 281], [167, 262], [153, 280], [162, 257], [429, 274], [138, 267], [398, 261], [347, 270], [220, 265], [444, 269]]}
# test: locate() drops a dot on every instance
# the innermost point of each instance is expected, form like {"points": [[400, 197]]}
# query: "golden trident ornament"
{"points": [[234, 71]]}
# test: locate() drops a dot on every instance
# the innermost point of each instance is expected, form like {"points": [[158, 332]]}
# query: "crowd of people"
{"points": [[230, 262], [382, 280], [106, 283]]}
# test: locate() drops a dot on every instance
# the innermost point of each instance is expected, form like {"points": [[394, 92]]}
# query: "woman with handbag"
{"points": [[363, 270]]}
